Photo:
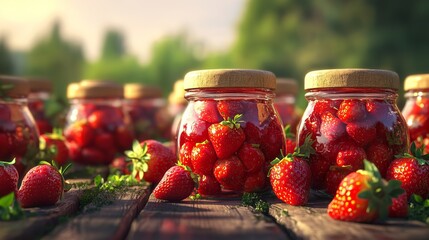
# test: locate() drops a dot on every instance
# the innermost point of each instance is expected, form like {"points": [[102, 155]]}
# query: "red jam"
{"points": [[97, 128], [350, 121], [229, 132], [19, 137], [40, 92], [416, 109]]}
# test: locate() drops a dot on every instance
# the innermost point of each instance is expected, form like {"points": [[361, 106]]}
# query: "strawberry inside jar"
{"points": [[351, 116], [97, 128], [40, 92], [19, 137], [230, 132]]}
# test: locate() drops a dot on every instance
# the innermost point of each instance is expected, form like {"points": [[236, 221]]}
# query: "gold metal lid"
{"points": [[14, 87], [416, 81], [351, 78], [40, 85], [227, 78], [137, 91], [95, 89], [286, 86], [177, 96]]}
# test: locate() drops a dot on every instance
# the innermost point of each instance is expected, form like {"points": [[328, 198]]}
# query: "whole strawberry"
{"points": [[43, 185], [226, 136], [399, 207], [413, 171], [8, 178], [363, 196], [290, 177], [151, 159], [203, 158], [230, 173], [290, 140], [176, 185], [56, 141]]}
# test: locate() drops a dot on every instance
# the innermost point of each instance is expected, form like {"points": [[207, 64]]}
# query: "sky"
{"points": [[143, 22]]}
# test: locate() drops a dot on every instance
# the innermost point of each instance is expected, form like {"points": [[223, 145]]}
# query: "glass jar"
{"points": [[146, 107], [176, 106], [351, 115], [96, 128], [286, 92], [40, 92], [416, 109], [230, 132], [19, 137]]}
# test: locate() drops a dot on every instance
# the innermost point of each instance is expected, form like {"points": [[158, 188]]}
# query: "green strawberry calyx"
{"points": [[416, 153], [233, 123], [195, 177], [139, 158], [3, 163], [288, 133], [61, 171], [380, 192]]}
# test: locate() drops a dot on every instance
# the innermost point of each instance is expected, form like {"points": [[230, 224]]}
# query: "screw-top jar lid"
{"points": [[351, 78], [95, 89], [39, 85], [138, 91], [286, 86], [14, 87], [177, 96], [416, 81], [230, 78]]}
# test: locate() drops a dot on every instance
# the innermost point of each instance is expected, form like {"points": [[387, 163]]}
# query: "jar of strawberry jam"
{"points": [[229, 132], [416, 109], [351, 116], [19, 137], [97, 128], [176, 106], [40, 92], [284, 102], [146, 107]]}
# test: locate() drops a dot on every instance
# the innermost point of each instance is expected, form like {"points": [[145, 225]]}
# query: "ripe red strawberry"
{"points": [[43, 185], [209, 186], [381, 155], [203, 158], [229, 172], [104, 140], [122, 165], [319, 166], [104, 118], [8, 178], [413, 171], [334, 177], [123, 138], [331, 127], [151, 159], [80, 133], [362, 133], [352, 111], [322, 106], [197, 131], [363, 196], [56, 140], [290, 140], [379, 109], [6, 146], [351, 155], [185, 153], [226, 137], [230, 108], [93, 156], [255, 182], [176, 185], [399, 207], [252, 157], [272, 140], [252, 132], [207, 111], [290, 178]]}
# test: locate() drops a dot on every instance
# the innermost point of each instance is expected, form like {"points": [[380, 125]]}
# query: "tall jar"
{"points": [[284, 102], [19, 137], [97, 129], [230, 131], [416, 109], [351, 116], [146, 107], [40, 92]]}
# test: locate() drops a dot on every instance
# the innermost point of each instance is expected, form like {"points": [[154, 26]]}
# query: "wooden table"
{"points": [[135, 214]]}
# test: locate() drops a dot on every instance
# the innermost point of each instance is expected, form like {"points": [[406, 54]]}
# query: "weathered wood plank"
{"points": [[44, 219], [112, 221], [202, 219], [312, 222]]}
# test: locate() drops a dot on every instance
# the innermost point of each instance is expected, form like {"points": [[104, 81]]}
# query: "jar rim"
{"points": [[18, 88], [351, 78], [229, 78]]}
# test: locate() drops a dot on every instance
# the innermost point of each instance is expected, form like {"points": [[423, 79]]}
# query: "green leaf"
{"points": [[365, 194], [7, 200], [417, 198], [98, 181]]}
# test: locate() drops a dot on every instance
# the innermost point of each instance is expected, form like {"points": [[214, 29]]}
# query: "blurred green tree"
{"points": [[57, 59], [113, 45], [6, 62]]}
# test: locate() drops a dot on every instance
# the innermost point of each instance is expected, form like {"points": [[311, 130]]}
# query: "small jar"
{"points": [[97, 129], [230, 132], [19, 137], [351, 116], [147, 109], [176, 106], [416, 109], [40, 92], [286, 92]]}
